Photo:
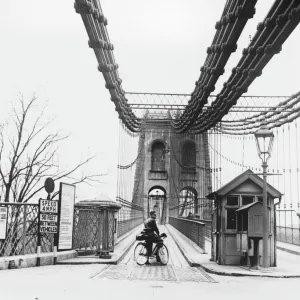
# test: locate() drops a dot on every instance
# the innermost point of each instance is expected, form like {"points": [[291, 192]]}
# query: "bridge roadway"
{"points": [[177, 269]]}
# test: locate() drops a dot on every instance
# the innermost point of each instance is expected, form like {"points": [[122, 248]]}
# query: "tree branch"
{"points": [[31, 155]]}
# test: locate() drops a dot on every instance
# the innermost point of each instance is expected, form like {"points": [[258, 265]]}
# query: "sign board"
{"points": [[3, 222], [48, 216], [67, 199], [49, 185]]}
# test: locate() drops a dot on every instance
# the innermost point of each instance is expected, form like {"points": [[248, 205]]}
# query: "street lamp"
{"points": [[264, 141]]}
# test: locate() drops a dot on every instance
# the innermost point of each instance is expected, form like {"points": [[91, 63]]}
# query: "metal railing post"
{"points": [[24, 229]]}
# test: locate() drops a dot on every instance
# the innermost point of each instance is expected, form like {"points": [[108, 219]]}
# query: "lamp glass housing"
{"points": [[264, 142]]}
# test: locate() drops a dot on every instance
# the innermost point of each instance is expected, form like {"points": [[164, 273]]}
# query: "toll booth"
{"points": [[237, 222]]}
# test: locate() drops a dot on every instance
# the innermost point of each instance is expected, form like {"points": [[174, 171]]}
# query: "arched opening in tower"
{"points": [[188, 202]]}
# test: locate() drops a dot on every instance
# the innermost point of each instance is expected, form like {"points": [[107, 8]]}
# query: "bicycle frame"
{"points": [[155, 249], [155, 252]]}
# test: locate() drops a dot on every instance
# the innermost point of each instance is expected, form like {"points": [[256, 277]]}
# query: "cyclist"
{"points": [[152, 234]]}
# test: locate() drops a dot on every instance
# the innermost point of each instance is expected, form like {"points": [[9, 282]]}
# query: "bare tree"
{"points": [[28, 154]]}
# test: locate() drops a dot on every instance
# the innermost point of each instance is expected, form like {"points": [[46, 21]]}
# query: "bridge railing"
{"points": [[22, 228], [207, 227], [287, 234], [194, 230], [288, 226], [94, 227], [129, 216]]}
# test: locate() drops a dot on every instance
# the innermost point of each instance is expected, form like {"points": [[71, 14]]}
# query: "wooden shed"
{"points": [[237, 220]]}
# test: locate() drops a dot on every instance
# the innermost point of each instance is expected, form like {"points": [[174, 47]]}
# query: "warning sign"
{"points": [[48, 217], [48, 206], [48, 229]]}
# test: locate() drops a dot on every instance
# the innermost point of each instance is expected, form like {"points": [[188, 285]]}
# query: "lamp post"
{"points": [[264, 141]]}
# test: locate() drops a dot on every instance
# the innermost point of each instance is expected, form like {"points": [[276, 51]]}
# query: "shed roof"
{"points": [[237, 181], [246, 207]]}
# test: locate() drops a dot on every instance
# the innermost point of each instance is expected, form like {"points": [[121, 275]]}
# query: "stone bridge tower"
{"points": [[173, 171]]}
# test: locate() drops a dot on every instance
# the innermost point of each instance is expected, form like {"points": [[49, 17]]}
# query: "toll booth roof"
{"points": [[239, 180]]}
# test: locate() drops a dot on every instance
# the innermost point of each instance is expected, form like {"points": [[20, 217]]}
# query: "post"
{"points": [[24, 230], [265, 217], [264, 141], [55, 243], [56, 235], [38, 251], [104, 241]]}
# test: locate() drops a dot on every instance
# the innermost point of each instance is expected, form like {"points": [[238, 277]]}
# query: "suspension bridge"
{"points": [[176, 149], [215, 131]]}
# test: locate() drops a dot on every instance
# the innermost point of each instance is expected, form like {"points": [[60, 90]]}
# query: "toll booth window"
{"points": [[232, 200], [260, 199], [247, 200], [231, 219]]}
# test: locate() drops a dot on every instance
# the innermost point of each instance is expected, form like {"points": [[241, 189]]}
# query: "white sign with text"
{"points": [[3, 222], [67, 199]]}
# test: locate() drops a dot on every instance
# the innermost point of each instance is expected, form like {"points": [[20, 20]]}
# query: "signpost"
{"points": [[48, 219], [48, 224], [56, 217], [3, 222]]}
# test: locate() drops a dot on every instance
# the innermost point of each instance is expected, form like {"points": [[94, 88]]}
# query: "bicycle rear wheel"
{"points": [[163, 254], [140, 254]]}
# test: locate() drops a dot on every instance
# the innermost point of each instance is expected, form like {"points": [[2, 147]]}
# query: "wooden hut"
{"points": [[237, 221]]}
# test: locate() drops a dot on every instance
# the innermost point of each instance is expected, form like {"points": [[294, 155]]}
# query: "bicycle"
{"points": [[160, 249]]}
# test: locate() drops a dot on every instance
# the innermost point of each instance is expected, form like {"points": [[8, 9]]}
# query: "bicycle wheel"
{"points": [[140, 254], [163, 254]]}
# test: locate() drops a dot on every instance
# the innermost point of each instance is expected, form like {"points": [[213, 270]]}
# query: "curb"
{"points": [[191, 264], [245, 275], [100, 262], [288, 250], [125, 252], [113, 261], [30, 260]]}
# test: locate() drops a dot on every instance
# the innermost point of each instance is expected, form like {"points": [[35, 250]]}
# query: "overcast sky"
{"points": [[160, 46]]}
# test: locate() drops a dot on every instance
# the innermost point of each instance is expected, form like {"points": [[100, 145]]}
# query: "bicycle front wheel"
{"points": [[140, 254], [163, 254]]}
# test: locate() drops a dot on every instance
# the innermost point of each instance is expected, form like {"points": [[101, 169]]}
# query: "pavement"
{"points": [[288, 256], [30, 260], [77, 282]]}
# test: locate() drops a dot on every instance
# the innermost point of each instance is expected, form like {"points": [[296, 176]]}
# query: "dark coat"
{"points": [[151, 226]]}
